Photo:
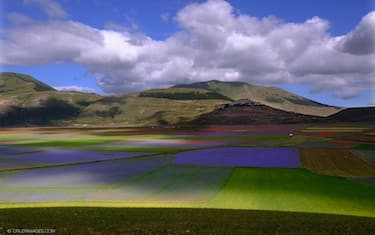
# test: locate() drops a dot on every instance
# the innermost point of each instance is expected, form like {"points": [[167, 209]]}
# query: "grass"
{"points": [[166, 184], [275, 97], [180, 221], [149, 111], [21, 82], [170, 184], [183, 94], [72, 142], [294, 190], [142, 149]]}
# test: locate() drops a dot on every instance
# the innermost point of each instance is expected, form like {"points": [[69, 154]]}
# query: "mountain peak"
{"points": [[207, 84], [21, 93], [271, 96], [12, 82]]}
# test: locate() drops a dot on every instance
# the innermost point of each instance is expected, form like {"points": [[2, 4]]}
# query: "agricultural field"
{"points": [[280, 169], [207, 117]]}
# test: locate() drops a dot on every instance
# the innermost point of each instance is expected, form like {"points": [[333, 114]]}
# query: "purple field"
{"points": [[101, 173], [241, 157], [9, 150], [58, 156]]}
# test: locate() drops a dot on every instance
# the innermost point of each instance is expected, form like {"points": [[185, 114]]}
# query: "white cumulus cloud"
{"points": [[75, 88], [361, 41], [213, 42]]}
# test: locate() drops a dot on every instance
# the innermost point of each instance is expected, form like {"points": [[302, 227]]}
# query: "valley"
{"points": [[191, 151]]}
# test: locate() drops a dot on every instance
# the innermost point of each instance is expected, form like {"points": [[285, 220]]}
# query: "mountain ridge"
{"points": [[23, 98], [272, 96], [10, 81]]}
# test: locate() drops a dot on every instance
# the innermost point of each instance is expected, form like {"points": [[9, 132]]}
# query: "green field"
{"points": [[143, 186], [181, 221], [208, 187], [295, 190], [170, 184]]}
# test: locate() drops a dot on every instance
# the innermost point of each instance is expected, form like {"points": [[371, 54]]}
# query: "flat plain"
{"points": [[260, 171]]}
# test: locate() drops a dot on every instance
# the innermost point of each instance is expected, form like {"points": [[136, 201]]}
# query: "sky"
{"points": [[323, 50]]}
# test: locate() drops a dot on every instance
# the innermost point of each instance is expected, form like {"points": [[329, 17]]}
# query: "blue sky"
{"points": [[156, 19]]}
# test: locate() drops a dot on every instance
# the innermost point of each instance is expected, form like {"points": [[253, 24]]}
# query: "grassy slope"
{"points": [[181, 221], [148, 111], [14, 82], [24, 94], [183, 94], [20, 90], [42, 108], [26, 91], [274, 97], [175, 104]]}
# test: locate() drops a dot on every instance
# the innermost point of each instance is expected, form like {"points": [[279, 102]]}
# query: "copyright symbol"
{"points": [[9, 230]]}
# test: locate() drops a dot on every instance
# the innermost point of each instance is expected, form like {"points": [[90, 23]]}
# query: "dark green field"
{"points": [[181, 221]]}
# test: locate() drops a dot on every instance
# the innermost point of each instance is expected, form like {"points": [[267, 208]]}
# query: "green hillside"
{"points": [[124, 110], [183, 94], [15, 82], [25, 100], [272, 96]]}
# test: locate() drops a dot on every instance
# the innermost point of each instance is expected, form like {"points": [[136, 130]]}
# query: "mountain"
{"points": [[271, 96], [14, 82], [245, 111], [26, 101], [138, 109]]}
